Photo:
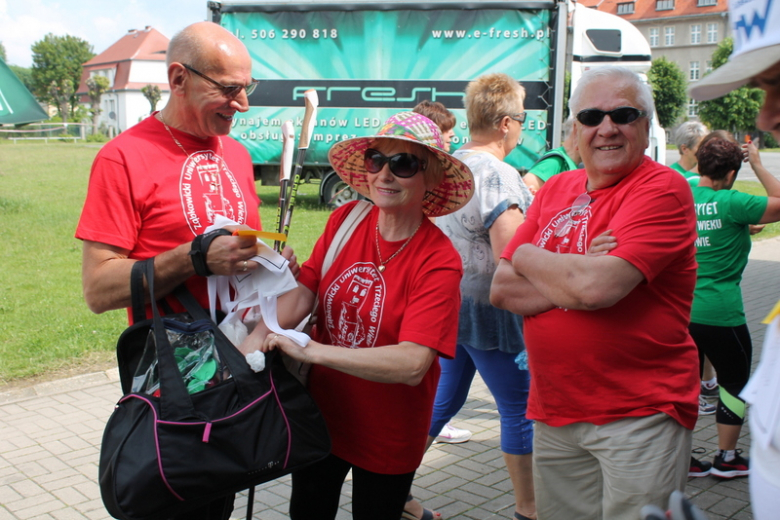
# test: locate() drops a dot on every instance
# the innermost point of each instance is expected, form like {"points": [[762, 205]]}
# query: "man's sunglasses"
{"points": [[230, 91], [619, 116], [402, 165]]}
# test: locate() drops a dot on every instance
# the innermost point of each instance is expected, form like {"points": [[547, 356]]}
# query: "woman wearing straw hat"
{"points": [[386, 307]]}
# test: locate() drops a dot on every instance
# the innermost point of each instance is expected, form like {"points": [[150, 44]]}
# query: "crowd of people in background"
{"points": [[586, 295]]}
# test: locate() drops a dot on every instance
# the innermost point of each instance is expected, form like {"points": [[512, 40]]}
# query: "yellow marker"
{"points": [[268, 235], [771, 316]]}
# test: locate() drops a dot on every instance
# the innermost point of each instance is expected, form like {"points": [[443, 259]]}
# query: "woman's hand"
{"points": [[602, 244], [279, 341], [756, 228], [289, 254], [255, 340], [751, 154]]}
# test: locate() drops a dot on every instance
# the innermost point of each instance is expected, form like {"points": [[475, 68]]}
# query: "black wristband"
{"points": [[200, 247]]}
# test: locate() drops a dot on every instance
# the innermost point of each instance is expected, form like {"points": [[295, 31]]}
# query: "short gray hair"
{"points": [[689, 134], [643, 92], [186, 47]]}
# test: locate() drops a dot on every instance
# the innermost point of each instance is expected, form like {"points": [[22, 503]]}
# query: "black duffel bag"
{"points": [[162, 456]]}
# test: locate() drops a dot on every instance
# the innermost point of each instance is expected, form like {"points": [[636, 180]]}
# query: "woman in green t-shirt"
{"points": [[718, 324]]}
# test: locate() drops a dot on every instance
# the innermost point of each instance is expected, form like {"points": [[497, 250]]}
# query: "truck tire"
{"points": [[334, 192]]}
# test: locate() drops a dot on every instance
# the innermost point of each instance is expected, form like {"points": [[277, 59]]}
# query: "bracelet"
{"points": [[200, 247]]}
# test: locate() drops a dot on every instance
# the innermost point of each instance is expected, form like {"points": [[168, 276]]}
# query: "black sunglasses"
{"points": [[520, 118], [230, 91], [402, 165], [619, 116]]}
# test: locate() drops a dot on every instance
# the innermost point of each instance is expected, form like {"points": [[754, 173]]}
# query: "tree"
{"points": [[737, 110], [152, 94], [668, 82], [97, 86], [60, 95], [3, 54], [24, 74], [56, 59]]}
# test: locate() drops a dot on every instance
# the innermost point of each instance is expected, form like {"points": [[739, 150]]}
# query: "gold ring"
{"points": [[245, 265]]}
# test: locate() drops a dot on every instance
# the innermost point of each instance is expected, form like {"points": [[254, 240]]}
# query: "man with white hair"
{"points": [[755, 60], [602, 271]]}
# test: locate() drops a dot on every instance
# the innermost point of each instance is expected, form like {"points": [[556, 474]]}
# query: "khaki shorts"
{"points": [[587, 472]]}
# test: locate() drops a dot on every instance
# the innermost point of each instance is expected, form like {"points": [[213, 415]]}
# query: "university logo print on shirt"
{"points": [[567, 231], [353, 306], [208, 188]]}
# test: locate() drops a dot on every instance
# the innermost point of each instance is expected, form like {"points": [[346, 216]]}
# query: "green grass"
{"points": [[44, 323], [755, 188]]}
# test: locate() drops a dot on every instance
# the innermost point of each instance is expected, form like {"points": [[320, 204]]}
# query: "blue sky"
{"points": [[100, 22]]}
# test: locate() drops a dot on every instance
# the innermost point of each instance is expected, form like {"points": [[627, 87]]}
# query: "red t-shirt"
{"points": [[635, 358], [378, 426], [147, 196]]}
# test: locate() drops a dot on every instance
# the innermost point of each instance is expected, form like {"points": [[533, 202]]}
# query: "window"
{"points": [[708, 68], [654, 36], [706, 3], [695, 73], [668, 36], [693, 108], [664, 5], [712, 33], [695, 34], [626, 8], [605, 40]]}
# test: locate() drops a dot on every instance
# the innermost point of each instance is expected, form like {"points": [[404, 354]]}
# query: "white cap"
{"points": [[755, 25]]}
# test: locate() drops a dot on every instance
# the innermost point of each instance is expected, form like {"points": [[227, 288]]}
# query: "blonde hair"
{"points": [[489, 98]]}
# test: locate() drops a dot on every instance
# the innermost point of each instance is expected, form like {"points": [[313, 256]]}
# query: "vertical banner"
{"points": [[369, 65]]}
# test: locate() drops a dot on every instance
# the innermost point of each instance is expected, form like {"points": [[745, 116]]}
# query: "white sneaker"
{"points": [[452, 435]]}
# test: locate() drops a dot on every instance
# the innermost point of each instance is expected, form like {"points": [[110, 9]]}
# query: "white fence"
{"points": [[45, 132]]}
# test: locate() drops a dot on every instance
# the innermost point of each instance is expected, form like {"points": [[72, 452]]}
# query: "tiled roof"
{"points": [[143, 44], [146, 44], [646, 9]]}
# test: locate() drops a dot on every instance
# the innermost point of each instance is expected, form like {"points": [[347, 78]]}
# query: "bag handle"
{"points": [[137, 291], [175, 402], [355, 217]]}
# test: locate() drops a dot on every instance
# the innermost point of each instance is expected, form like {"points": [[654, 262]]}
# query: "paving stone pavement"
{"points": [[50, 439]]}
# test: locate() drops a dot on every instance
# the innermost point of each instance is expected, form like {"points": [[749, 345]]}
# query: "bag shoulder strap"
{"points": [[355, 217], [137, 292]]}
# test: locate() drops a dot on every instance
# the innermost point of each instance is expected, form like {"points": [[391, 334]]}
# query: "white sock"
{"points": [[712, 383], [728, 455]]}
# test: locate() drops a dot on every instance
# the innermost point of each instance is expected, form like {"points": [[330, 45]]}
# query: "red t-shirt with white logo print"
{"points": [[377, 426], [635, 358], [147, 196]]}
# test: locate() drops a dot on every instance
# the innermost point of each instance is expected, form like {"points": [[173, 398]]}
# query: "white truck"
{"points": [[369, 60]]}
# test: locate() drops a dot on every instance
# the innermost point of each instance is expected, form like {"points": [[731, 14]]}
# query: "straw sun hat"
{"points": [[452, 193]]}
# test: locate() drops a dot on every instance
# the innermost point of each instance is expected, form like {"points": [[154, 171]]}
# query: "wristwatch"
{"points": [[200, 246]]}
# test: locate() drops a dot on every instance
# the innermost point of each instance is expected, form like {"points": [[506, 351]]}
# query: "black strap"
{"points": [[200, 248], [137, 292]]}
